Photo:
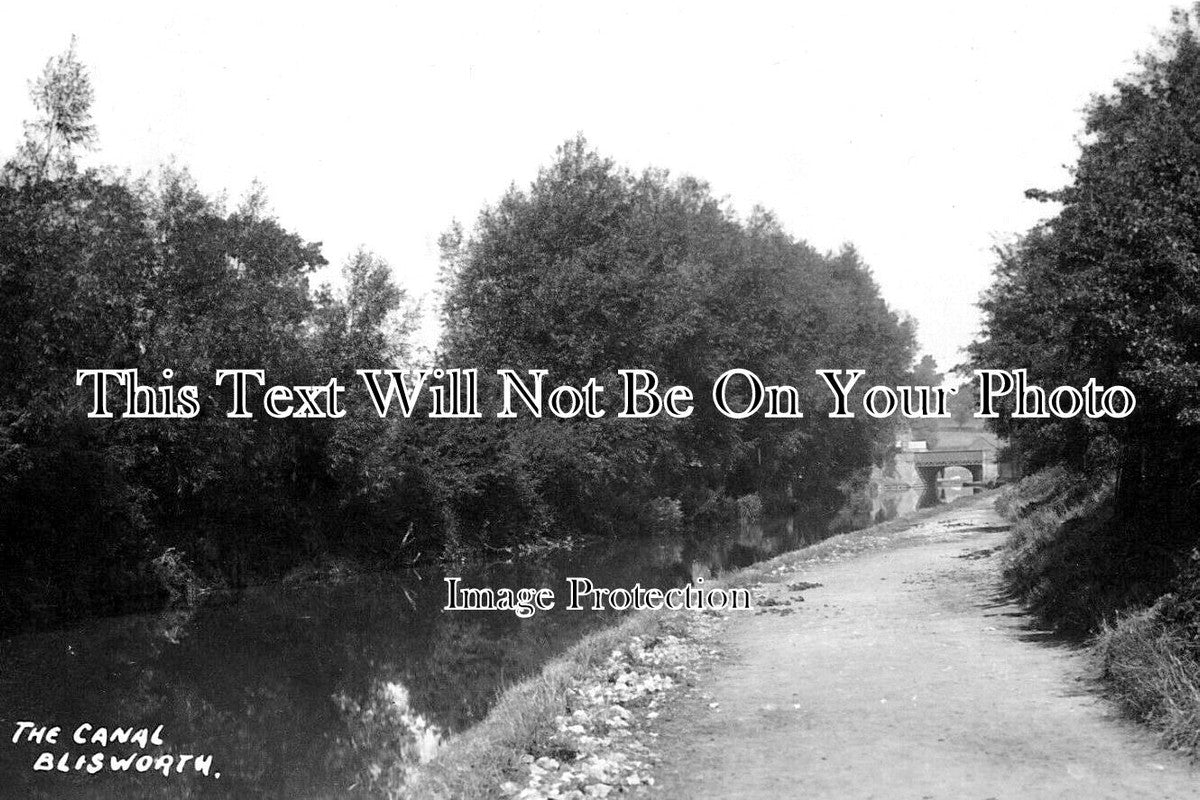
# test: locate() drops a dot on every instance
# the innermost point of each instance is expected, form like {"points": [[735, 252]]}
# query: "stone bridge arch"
{"points": [[931, 464]]}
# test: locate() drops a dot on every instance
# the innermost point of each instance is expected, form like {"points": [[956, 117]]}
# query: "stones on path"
{"points": [[599, 747]]}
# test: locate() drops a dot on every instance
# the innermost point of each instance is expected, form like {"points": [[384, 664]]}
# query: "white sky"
{"points": [[910, 129]]}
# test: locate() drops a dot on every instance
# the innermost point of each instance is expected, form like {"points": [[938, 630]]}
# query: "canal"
{"points": [[299, 689]]}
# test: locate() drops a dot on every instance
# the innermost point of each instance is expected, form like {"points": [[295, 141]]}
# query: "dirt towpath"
{"points": [[905, 675]]}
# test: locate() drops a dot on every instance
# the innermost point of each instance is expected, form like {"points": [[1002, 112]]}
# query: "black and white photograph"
{"points": [[553, 401]]}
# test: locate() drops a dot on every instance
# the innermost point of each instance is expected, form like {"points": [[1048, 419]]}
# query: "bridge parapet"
{"points": [[948, 458]]}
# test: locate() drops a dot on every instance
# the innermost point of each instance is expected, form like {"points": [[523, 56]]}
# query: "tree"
{"points": [[63, 96], [594, 269], [102, 272], [1109, 287], [925, 373]]}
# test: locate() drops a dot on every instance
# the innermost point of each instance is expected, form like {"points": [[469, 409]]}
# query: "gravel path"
{"points": [[905, 675]]}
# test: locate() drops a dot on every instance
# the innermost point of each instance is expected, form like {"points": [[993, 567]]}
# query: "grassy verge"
{"points": [[476, 763], [1152, 670], [1063, 558], [1123, 586]]}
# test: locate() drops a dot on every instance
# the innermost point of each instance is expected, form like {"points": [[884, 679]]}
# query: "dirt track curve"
{"points": [[905, 675]]}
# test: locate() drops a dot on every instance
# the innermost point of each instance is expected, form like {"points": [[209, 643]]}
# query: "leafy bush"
{"points": [[666, 513], [177, 577], [750, 509]]}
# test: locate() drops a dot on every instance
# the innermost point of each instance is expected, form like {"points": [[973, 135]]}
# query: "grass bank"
{"points": [[523, 722], [1128, 588], [526, 723]]}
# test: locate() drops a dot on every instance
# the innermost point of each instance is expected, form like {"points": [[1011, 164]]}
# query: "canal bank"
{"points": [[343, 680], [882, 659], [590, 721]]}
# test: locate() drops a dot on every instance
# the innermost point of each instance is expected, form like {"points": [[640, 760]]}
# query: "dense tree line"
{"points": [[1109, 286], [594, 269], [98, 271], [590, 270], [1104, 543]]}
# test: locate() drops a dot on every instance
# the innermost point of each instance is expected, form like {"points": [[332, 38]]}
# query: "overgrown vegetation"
{"points": [[1101, 579], [1154, 673], [589, 270], [100, 271], [1069, 559], [1109, 288]]}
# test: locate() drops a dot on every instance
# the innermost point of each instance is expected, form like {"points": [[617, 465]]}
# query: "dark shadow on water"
{"points": [[311, 688]]}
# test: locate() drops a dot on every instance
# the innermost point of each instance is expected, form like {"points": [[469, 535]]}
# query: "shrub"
{"points": [[666, 513], [749, 509], [177, 577]]}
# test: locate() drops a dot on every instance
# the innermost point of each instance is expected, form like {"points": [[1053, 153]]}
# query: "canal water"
{"points": [[326, 688]]}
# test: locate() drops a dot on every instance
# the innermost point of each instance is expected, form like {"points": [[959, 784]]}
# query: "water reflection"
{"points": [[335, 687], [893, 500], [386, 737]]}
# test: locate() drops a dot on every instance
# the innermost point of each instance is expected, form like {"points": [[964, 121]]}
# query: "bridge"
{"points": [[931, 464]]}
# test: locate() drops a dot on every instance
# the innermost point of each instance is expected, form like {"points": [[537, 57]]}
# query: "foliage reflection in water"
{"points": [[331, 687]]}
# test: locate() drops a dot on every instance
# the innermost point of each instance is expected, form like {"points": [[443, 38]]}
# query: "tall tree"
{"points": [[1109, 287], [102, 272], [62, 96], [594, 269]]}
